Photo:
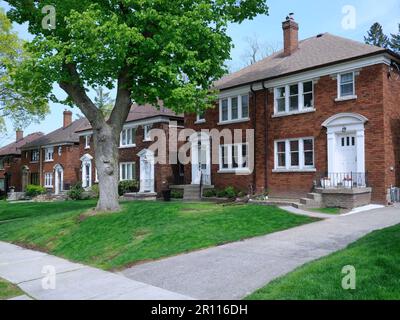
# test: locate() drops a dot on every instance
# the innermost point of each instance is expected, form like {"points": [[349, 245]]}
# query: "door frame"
{"points": [[58, 183], [204, 139], [146, 157]]}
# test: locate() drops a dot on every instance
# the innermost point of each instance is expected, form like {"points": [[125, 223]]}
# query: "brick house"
{"points": [[10, 161], [135, 157], [325, 113], [52, 161]]}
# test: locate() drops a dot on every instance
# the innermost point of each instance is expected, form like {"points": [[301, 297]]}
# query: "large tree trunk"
{"points": [[106, 157]]}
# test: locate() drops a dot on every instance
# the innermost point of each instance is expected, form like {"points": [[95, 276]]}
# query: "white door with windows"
{"points": [[346, 153], [59, 179], [146, 171], [201, 159], [87, 171]]}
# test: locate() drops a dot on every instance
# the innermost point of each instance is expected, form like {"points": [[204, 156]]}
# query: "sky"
{"points": [[347, 18]]}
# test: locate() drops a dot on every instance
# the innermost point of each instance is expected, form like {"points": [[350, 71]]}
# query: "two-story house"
{"points": [[52, 161], [325, 113], [10, 161], [137, 160]]}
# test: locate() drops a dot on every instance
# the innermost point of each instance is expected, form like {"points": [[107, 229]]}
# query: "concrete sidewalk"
{"points": [[72, 281], [235, 270]]}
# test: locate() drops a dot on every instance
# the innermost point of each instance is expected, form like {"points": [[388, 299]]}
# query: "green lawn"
{"points": [[8, 290], [327, 210], [142, 231], [376, 259]]}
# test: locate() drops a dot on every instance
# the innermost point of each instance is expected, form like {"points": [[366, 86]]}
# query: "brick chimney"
{"points": [[19, 135], [67, 118], [290, 35]]}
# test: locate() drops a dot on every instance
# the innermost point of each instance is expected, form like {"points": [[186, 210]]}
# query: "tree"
{"points": [[20, 106], [257, 50], [395, 41], [148, 50], [103, 101], [376, 37]]}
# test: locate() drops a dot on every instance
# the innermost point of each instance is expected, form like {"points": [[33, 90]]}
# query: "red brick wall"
{"points": [[12, 166]]}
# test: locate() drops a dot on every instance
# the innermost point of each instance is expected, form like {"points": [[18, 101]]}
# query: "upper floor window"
{"points": [[1, 164], [294, 98], [60, 150], [234, 108], [49, 154], [200, 117], [87, 141], [346, 85], [128, 137], [146, 132], [294, 154], [234, 156], [34, 155]]}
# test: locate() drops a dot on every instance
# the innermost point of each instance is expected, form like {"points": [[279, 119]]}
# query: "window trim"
{"points": [[340, 97], [133, 163], [46, 153], [288, 167], [230, 168], [229, 106], [146, 132], [87, 141], [200, 120], [37, 152], [131, 145], [46, 180], [300, 95]]}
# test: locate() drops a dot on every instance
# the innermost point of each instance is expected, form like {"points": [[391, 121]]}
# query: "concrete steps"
{"points": [[191, 192], [313, 200]]}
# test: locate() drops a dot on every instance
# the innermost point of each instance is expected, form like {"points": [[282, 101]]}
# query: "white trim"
{"points": [[300, 99], [240, 117], [233, 121], [340, 97], [130, 131], [288, 167], [279, 115], [133, 171], [230, 168], [87, 141], [48, 180], [293, 170], [343, 119], [346, 98]]}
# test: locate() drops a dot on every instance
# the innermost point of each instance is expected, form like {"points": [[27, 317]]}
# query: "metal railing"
{"points": [[338, 180]]}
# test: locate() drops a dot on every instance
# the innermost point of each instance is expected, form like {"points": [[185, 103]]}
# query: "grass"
{"points": [[376, 260], [8, 290], [141, 231], [327, 210]]}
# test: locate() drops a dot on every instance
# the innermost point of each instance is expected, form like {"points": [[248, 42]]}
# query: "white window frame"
{"points": [[301, 108], [128, 132], [133, 171], [96, 176], [60, 151], [230, 158], [47, 152], [240, 117], [146, 132], [288, 167], [200, 119], [87, 141], [48, 180], [37, 153], [339, 86]]}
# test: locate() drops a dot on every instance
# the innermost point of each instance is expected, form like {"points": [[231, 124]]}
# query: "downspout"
{"points": [[266, 133], [40, 166], [255, 134]]}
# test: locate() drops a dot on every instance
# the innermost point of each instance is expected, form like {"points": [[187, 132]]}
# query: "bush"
{"points": [[33, 190], [127, 187], [221, 193], [210, 193], [177, 194], [95, 190], [76, 192], [230, 192]]}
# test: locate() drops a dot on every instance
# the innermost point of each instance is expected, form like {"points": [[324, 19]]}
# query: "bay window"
{"points": [[297, 97], [294, 154], [234, 109]]}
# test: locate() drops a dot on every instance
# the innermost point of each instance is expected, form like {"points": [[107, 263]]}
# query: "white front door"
{"points": [[147, 171], [201, 162], [59, 180], [346, 153]]}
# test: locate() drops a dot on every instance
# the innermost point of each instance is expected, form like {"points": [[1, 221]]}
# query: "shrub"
{"points": [[177, 194], [127, 187], [221, 193], [76, 191], [95, 190], [230, 192], [33, 190], [209, 193]]}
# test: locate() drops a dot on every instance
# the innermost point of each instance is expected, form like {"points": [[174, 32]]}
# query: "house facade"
{"points": [[52, 161], [324, 112], [10, 162], [137, 158]]}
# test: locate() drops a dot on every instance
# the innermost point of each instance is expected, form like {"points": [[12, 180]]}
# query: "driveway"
{"points": [[235, 270]]}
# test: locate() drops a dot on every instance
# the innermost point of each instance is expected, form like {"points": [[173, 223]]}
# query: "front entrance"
{"points": [[346, 156], [87, 171], [25, 177], [146, 171], [59, 179], [201, 159]]}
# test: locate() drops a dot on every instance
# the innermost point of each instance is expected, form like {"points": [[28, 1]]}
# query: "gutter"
{"points": [[266, 133]]}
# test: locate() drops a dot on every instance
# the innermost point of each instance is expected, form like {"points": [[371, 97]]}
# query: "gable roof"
{"points": [[14, 147], [313, 52], [60, 136], [141, 112]]}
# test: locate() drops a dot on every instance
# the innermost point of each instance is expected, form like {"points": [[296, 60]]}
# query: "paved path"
{"points": [[73, 281], [235, 270]]}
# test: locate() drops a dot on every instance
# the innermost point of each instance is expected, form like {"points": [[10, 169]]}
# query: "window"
{"points": [[127, 171], [59, 151], [346, 85], [87, 142], [294, 154], [128, 137], [35, 178], [2, 184], [234, 108], [294, 98], [200, 117], [234, 156], [1, 164], [34, 155], [96, 176], [49, 153], [48, 180], [147, 129]]}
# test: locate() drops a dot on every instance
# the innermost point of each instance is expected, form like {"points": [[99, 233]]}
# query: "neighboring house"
{"points": [[10, 161], [325, 112], [52, 161], [136, 160]]}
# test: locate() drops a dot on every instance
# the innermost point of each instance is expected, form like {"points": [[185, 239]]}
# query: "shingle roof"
{"points": [[14, 147], [313, 52], [59, 136], [139, 112]]}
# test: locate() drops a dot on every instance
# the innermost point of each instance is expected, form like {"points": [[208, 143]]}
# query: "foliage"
{"points": [[103, 101], [143, 230], [8, 290], [376, 37], [76, 191], [209, 193], [230, 192], [19, 105], [128, 186], [176, 194], [95, 190], [395, 41], [33, 190]]}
